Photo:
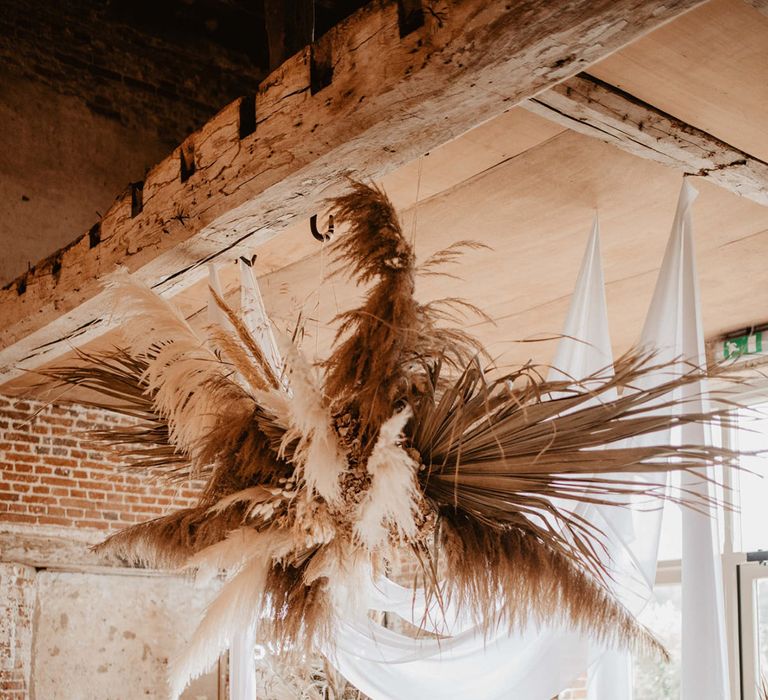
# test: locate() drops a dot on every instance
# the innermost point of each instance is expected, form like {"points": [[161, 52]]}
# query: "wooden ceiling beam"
{"points": [[371, 95], [589, 106], [759, 5]]}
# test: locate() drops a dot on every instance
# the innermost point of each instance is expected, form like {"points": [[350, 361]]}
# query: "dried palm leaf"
{"points": [[117, 378], [511, 576]]}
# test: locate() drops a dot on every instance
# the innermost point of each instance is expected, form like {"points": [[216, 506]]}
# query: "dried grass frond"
{"points": [[382, 345], [167, 542], [301, 613], [242, 450], [117, 377], [448, 256], [318, 455], [247, 356], [392, 501], [236, 608], [185, 379], [312, 678], [514, 578]]}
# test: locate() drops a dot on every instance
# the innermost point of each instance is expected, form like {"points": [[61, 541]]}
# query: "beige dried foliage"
{"points": [[404, 439]]}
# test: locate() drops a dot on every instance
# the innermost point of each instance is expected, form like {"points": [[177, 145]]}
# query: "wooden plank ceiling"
{"points": [[529, 188]]}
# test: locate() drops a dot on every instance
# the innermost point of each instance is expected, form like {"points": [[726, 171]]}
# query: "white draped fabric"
{"points": [[675, 320], [673, 328], [242, 663], [584, 350], [585, 347], [536, 664], [242, 666]]}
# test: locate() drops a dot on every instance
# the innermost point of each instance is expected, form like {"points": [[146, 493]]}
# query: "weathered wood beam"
{"points": [[589, 106], [289, 25], [759, 5], [372, 94]]}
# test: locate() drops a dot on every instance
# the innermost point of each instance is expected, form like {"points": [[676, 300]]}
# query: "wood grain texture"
{"points": [[591, 107], [535, 211], [708, 69], [759, 5], [390, 99]]}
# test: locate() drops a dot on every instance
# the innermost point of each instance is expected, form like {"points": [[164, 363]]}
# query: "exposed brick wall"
{"points": [[17, 603], [52, 475]]}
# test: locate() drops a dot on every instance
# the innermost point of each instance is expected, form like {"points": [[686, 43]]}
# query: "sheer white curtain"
{"points": [[675, 320], [673, 328]]}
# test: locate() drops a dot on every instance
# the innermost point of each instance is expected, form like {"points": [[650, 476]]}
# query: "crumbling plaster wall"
{"points": [[80, 630], [101, 636], [17, 604]]}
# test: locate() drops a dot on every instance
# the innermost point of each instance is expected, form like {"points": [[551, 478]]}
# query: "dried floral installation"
{"points": [[402, 440]]}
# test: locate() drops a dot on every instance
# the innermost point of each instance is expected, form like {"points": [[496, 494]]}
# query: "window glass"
{"points": [[655, 679], [753, 486], [761, 594]]}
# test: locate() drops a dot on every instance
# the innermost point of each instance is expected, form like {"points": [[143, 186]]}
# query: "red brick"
{"points": [[53, 474], [97, 524], [30, 478], [21, 518], [61, 461], [15, 459], [75, 502]]}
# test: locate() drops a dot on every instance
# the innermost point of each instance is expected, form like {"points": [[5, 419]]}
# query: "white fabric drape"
{"points": [[585, 347], [242, 667], [673, 328], [585, 350], [676, 323]]}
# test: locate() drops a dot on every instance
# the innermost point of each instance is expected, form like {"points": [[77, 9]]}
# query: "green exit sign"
{"points": [[751, 344]]}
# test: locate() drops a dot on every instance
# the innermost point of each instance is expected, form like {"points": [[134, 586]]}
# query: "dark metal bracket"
{"points": [[322, 237]]}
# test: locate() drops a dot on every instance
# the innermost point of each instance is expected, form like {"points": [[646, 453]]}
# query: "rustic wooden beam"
{"points": [[289, 25], [372, 94], [759, 5], [589, 106]]}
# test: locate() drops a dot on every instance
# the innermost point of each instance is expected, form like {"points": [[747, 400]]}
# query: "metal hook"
{"points": [[322, 237], [247, 261]]}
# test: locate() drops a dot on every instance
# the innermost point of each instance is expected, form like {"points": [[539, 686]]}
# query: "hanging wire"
{"points": [[317, 303], [314, 19], [416, 203]]}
